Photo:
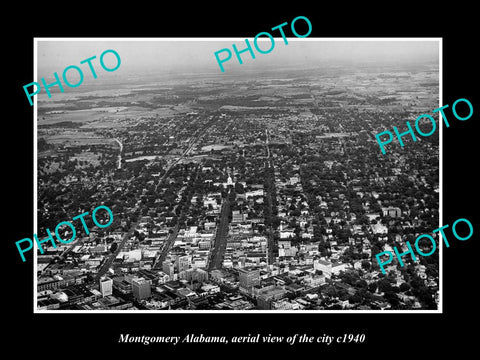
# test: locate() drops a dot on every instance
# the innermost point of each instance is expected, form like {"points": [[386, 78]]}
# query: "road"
{"points": [[107, 264], [269, 167], [157, 265], [193, 141], [120, 153], [216, 257]]}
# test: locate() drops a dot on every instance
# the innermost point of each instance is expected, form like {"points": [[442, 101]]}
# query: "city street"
{"points": [[218, 251]]}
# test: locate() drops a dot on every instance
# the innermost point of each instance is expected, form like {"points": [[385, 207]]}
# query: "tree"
{"points": [[330, 291], [404, 287], [89, 278], [113, 247], [392, 298], [361, 284], [355, 299], [384, 285]]}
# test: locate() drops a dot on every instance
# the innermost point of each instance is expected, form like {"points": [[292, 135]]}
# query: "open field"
{"points": [[78, 138]]}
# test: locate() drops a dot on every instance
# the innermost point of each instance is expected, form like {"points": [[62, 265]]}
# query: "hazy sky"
{"points": [[190, 56]]}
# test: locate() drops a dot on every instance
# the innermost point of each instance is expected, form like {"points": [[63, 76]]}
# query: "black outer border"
{"points": [[385, 333]]}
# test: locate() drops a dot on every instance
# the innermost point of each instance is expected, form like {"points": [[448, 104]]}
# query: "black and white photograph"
{"points": [[260, 187], [231, 181]]}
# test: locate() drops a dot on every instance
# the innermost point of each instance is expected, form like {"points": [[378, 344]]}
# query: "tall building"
{"points": [[248, 278], [106, 286], [265, 298], [183, 263], [237, 217], [199, 275], [141, 288], [168, 268]]}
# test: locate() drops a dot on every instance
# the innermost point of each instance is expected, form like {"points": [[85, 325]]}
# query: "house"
{"points": [[337, 267], [379, 228], [391, 211], [324, 266]]}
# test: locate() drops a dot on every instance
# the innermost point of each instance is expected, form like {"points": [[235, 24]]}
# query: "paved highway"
{"points": [[220, 246], [157, 265], [108, 263]]}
